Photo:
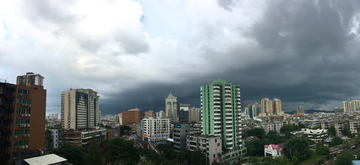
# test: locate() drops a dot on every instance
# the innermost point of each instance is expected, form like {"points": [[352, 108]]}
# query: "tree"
{"points": [[358, 156], [124, 151], [294, 161], [124, 128], [185, 155], [331, 131], [94, 155], [346, 132], [259, 132], [322, 150], [345, 158], [299, 147], [253, 160], [346, 145], [73, 153], [335, 141]]}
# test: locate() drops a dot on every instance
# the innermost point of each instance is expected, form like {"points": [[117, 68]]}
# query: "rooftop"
{"points": [[44, 160]]}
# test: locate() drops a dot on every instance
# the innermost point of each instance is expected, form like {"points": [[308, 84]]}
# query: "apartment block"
{"points": [[79, 109], [160, 114], [256, 109], [354, 126], [149, 113], [131, 116], [155, 130], [339, 126], [22, 118], [195, 114], [54, 138], [221, 116], [208, 144]]}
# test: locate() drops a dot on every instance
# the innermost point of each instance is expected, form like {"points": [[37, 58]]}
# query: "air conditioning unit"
{"points": [[29, 105], [22, 115], [15, 137], [26, 146], [27, 135], [21, 125], [21, 94], [21, 147], [28, 125], [24, 136], [22, 104], [29, 115]]}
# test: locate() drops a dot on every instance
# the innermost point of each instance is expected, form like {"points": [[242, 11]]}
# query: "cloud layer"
{"points": [[135, 52]]}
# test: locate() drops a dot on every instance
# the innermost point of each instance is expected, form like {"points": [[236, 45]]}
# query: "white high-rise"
{"points": [[79, 109]]}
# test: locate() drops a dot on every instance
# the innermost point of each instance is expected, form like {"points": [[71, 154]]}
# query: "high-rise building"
{"points": [[248, 111], [221, 116], [195, 114], [346, 106], [354, 105], [271, 107], [131, 116], [171, 108], [79, 109], [184, 112], [277, 107], [263, 104], [120, 118], [22, 119], [256, 109], [150, 113]]}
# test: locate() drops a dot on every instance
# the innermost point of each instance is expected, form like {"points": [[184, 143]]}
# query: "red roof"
{"points": [[274, 147]]}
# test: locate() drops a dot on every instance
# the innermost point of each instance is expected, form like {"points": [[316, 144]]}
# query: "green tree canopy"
{"points": [[73, 153], [331, 131], [124, 128], [345, 158], [322, 150], [346, 145], [259, 132], [299, 147], [335, 141]]}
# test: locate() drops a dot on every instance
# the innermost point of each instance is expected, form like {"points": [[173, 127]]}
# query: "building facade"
{"points": [[130, 116], [195, 114], [184, 112], [160, 114], [79, 109], [221, 116], [149, 113], [209, 144], [155, 130], [248, 111], [171, 108], [179, 136], [271, 107], [256, 109], [22, 117]]}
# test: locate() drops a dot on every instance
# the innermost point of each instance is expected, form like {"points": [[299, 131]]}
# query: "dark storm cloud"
{"points": [[305, 53]]}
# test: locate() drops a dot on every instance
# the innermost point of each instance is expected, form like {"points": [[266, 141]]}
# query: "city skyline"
{"points": [[135, 52]]}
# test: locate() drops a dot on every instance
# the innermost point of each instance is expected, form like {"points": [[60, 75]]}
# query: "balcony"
{"points": [[217, 118], [216, 102], [216, 95], [217, 90], [229, 143]]}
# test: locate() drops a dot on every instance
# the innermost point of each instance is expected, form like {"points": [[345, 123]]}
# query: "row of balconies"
{"points": [[24, 136]]}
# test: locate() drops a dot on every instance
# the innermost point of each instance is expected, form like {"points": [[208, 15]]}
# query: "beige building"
{"points": [[171, 108], [194, 114], [79, 109], [149, 113], [271, 107]]}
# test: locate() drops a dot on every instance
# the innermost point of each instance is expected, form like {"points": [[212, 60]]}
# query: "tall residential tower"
{"points": [[221, 116]]}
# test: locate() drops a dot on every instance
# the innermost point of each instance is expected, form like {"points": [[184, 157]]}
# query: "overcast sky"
{"points": [[135, 52]]}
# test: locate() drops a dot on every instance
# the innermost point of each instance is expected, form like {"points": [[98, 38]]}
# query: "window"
{"points": [[23, 91]]}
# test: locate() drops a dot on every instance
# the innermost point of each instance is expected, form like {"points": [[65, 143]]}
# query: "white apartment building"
{"points": [[316, 136], [160, 114], [354, 125], [272, 126], [54, 133], [79, 109], [155, 130]]}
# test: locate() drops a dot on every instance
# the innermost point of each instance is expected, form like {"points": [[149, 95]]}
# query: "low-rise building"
{"points": [[53, 138], [72, 137], [209, 144], [273, 150], [339, 126], [318, 135], [354, 126], [112, 133]]}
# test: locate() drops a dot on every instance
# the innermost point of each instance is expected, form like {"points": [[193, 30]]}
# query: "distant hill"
{"points": [[311, 111]]}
